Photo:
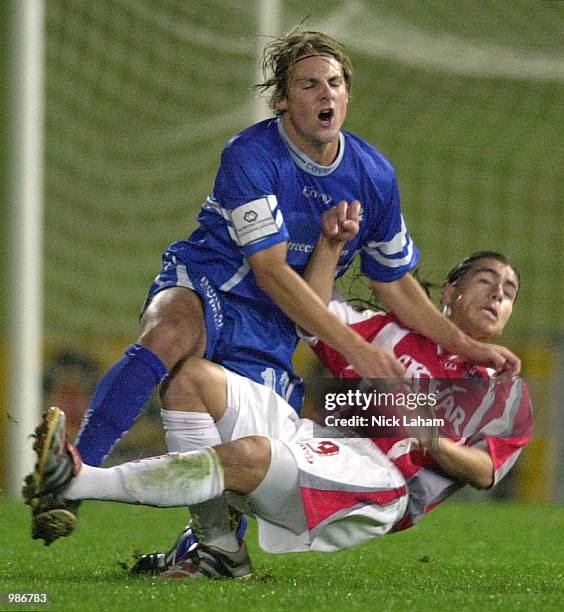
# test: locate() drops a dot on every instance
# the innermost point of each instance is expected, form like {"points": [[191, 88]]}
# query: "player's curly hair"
{"points": [[282, 52]]}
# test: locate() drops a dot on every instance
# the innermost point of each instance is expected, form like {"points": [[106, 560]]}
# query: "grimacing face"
{"points": [[315, 107], [482, 301]]}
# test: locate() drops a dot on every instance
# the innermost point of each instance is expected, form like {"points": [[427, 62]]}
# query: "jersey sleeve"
{"points": [[367, 323], [389, 252], [345, 312], [245, 196], [505, 435]]}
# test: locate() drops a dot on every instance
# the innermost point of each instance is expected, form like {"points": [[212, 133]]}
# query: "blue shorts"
{"points": [[245, 337]]}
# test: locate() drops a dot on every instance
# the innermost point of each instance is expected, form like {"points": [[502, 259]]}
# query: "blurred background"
{"points": [[465, 98]]}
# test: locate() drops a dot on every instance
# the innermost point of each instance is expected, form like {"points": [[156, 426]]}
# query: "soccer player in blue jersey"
{"points": [[232, 291]]}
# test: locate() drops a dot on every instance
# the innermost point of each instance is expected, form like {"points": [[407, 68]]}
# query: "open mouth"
{"points": [[326, 115], [491, 312]]}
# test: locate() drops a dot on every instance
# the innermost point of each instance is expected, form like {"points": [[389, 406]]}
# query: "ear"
{"points": [[281, 105], [448, 295]]}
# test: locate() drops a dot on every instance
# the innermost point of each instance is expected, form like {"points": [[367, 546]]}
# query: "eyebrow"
{"points": [[316, 79], [497, 275]]}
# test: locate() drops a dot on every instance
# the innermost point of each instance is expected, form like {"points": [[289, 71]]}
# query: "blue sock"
{"points": [[118, 400]]}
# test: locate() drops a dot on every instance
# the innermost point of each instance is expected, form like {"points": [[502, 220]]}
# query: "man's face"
{"points": [[315, 107], [482, 301]]}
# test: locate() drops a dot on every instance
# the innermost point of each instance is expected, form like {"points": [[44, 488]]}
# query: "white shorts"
{"points": [[348, 490]]}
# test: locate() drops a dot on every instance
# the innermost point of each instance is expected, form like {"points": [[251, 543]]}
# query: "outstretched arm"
{"points": [[340, 224], [301, 304], [406, 298]]}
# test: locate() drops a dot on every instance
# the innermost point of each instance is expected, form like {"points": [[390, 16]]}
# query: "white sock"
{"points": [[189, 431], [176, 479], [97, 483]]}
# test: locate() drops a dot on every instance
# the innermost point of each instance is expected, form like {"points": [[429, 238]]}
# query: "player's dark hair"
{"points": [[461, 269], [282, 52], [356, 290]]}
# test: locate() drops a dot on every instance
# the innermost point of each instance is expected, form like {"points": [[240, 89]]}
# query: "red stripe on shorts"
{"points": [[320, 504]]}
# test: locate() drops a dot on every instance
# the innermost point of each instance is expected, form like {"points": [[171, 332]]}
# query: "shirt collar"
{"points": [[304, 162]]}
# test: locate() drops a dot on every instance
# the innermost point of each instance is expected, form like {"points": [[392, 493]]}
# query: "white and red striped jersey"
{"points": [[492, 414]]}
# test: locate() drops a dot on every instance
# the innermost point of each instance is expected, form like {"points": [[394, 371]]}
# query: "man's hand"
{"points": [[371, 361], [407, 300], [341, 223], [493, 356]]}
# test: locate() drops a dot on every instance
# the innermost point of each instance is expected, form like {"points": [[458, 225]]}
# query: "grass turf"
{"points": [[463, 556]]}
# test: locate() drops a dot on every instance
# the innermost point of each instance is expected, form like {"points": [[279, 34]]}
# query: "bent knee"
{"points": [[198, 375], [173, 326], [250, 452], [197, 385]]}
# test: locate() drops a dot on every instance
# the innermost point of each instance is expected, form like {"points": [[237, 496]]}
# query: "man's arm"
{"points": [[409, 302], [467, 464], [340, 224], [301, 304]]}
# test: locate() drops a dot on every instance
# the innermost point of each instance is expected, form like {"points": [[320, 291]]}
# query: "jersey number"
{"points": [[269, 380]]}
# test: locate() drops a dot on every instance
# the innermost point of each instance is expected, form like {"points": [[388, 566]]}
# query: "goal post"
{"points": [[25, 176]]}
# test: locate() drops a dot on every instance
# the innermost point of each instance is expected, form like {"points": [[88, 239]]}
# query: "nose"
{"points": [[497, 291], [326, 91]]}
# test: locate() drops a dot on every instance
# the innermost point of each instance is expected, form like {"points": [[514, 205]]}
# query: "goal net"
{"points": [[464, 98]]}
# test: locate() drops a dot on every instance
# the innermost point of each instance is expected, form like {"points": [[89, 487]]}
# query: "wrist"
{"points": [[460, 343], [430, 446], [334, 244], [351, 345]]}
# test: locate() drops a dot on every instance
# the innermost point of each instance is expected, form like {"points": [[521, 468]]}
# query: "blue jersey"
{"points": [[267, 191]]}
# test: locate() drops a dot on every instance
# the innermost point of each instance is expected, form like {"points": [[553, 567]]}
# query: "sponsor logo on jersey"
{"points": [[325, 448], [413, 368], [213, 300], [310, 192], [300, 247], [448, 403]]}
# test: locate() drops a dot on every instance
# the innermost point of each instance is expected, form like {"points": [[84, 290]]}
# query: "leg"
{"points": [[193, 401], [173, 326], [177, 479], [172, 329], [169, 480], [245, 463]]}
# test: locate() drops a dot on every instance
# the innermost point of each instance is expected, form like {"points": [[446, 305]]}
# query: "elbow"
{"points": [[483, 481]]}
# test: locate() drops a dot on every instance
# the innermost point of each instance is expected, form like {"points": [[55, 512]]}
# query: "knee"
{"points": [[245, 463], [163, 337], [250, 453], [192, 377], [197, 385], [173, 327]]}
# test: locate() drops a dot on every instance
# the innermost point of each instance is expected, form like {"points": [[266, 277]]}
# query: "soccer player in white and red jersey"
{"points": [[310, 491], [484, 432]]}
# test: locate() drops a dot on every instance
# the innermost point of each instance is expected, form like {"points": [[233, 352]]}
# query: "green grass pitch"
{"points": [[463, 556]]}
